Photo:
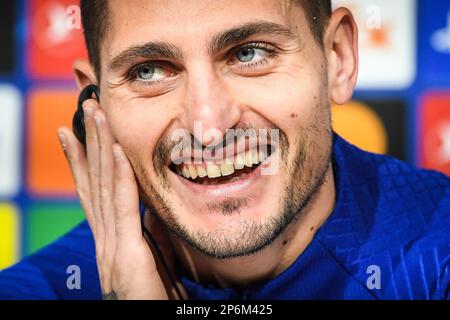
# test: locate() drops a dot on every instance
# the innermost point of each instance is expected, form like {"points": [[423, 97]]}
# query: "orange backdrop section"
{"points": [[48, 172], [361, 126]]}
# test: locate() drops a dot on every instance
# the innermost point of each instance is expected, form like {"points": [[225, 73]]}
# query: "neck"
{"points": [[272, 260]]}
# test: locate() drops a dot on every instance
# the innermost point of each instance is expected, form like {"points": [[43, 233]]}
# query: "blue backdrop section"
{"points": [[434, 42]]}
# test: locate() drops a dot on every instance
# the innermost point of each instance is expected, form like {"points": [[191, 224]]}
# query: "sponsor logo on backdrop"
{"points": [[373, 125], [56, 38], [435, 132], [440, 39], [9, 235], [10, 140], [47, 171], [437, 143], [47, 222], [387, 42], [434, 50], [7, 16], [358, 123]]}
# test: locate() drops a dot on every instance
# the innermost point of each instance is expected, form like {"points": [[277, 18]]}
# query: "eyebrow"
{"points": [[220, 41], [241, 33], [149, 50]]}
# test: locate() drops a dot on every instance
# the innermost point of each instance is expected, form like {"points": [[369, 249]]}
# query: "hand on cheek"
{"points": [[108, 192]]}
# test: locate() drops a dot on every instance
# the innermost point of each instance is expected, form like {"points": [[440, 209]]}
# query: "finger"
{"points": [[106, 182], [92, 150], [76, 158], [128, 221], [127, 217]]}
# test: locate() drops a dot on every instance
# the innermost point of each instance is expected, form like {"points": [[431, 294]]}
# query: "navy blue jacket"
{"points": [[387, 238]]}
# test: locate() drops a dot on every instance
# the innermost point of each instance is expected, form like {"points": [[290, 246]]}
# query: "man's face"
{"points": [[223, 65]]}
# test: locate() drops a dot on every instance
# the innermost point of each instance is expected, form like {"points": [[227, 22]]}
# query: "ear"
{"points": [[84, 73], [341, 45]]}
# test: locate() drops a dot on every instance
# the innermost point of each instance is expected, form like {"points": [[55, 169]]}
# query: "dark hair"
{"points": [[318, 13], [94, 15]]}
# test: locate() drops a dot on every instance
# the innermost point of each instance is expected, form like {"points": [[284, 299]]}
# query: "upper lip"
{"points": [[230, 151]]}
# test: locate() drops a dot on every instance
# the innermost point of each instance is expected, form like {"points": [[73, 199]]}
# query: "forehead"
{"points": [[189, 23]]}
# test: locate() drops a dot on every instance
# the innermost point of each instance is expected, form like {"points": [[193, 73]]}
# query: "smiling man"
{"points": [[281, 208]]}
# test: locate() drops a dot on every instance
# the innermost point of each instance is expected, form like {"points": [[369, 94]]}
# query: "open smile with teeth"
{"points": [[227, 171]]}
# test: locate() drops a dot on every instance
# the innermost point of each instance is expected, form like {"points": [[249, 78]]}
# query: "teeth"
{"points": [[248, 159], [240, 162], [255, 157], [262, 156], [213, 171], [193, 172], [227, 168], [185, 172], [201, 172]]}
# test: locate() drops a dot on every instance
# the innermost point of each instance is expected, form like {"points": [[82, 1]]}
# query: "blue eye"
{"points": [[150, 73], [146, 72], [245, 54], [253, 54]]}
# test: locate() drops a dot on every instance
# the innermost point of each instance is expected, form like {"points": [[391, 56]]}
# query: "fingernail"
{"points": [[118, 153], [62, 140], [87, 111]]}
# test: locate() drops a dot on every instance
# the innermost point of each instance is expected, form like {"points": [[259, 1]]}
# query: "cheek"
{"points": [[287, 100], [137, 128]]}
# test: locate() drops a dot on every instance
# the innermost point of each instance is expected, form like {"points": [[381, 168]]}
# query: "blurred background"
{"points": [[401, 106]]}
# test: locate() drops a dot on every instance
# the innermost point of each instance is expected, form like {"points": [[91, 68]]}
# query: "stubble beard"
{"points": [[244, 236]]}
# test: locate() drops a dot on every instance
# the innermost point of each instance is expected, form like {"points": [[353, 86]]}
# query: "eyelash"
{"points": [[132, 74], [257, 45]]}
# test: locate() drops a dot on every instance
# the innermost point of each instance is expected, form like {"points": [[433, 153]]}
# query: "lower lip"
{"points": [[225, 188]]}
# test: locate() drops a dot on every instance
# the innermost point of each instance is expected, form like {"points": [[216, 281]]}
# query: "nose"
{"points": [[209, 106]]}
